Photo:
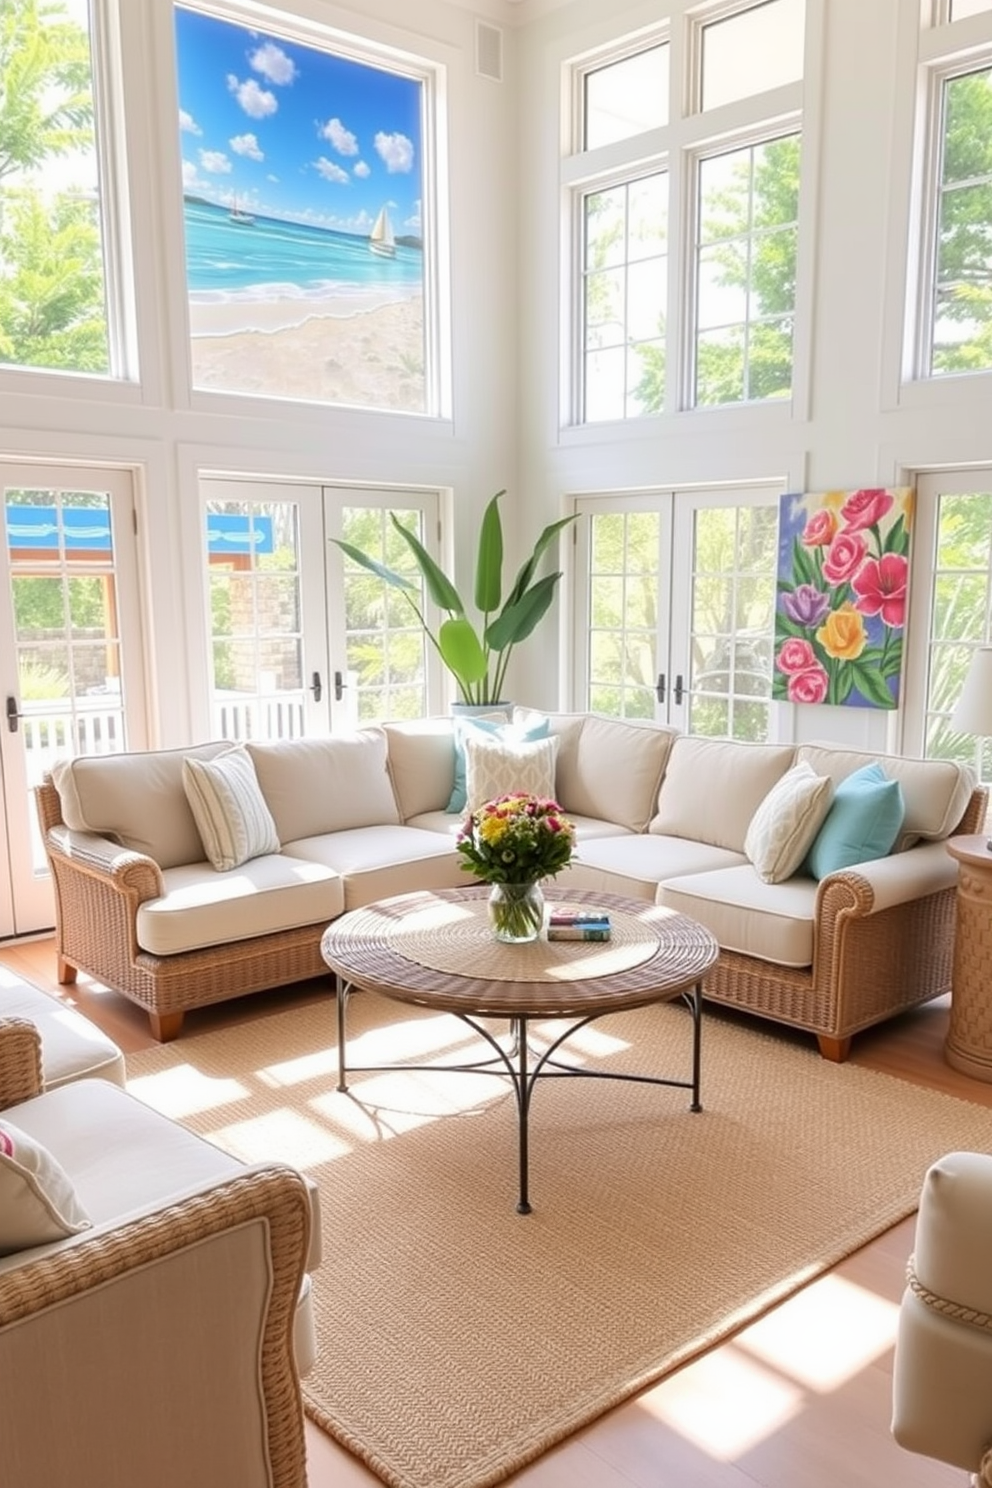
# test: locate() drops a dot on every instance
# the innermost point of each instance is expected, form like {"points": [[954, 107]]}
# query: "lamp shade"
{"points": [[973, 714]]}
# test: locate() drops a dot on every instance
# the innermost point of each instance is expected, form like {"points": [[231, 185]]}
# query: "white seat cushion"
{"points": [[633, 865], [773, 922], [201, 907], [377, 862], [72, 1048]]}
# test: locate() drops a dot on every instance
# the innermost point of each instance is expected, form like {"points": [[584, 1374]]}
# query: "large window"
{"points": [[648, 145], [303, 200], [55, 241], [954, 319]]}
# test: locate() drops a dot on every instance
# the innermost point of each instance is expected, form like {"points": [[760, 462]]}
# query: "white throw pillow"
{"points": [[38, 1203], [499, 767], [786, 822], [231, 815]]}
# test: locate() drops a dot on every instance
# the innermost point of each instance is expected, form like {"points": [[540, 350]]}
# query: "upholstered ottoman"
{"points": [[942, 1381], [72, 1048]]}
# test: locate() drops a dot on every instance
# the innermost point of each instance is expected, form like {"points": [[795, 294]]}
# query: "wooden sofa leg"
{"points": [[834, 1049], [166, 1026], [66, 973]]}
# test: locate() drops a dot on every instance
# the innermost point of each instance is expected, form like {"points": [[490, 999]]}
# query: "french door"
{"points": [[301, 640], [71, 655], [674, 608]]}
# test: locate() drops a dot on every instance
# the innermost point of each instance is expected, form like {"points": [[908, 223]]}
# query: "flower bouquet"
{"points": [[511, 843]]}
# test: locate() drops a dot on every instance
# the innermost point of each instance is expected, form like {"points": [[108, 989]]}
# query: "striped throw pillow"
{"points": [[231, 814]]}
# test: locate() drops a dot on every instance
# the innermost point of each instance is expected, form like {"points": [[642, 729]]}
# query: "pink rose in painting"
{"points": [[820, 529], [865, 509], [795, 656], [844, 557], [881, 589], [809, 686]]}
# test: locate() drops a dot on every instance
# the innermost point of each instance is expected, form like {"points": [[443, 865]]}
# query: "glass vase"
{"points": [[516, 911]]}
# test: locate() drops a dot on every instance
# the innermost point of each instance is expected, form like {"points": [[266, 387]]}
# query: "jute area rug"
{"points": [[460, 1340]]}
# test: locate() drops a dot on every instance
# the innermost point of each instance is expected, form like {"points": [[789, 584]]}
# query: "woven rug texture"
{"points": [[459, 1340]]}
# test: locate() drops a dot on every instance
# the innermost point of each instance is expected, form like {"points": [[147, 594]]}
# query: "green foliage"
{"points": [[963, 329], [476, 654]]}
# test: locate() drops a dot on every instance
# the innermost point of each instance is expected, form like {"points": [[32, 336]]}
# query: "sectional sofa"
{"points": [[154, 901]]}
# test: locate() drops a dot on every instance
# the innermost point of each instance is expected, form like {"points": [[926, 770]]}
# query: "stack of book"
{"points": [[587, 924]]}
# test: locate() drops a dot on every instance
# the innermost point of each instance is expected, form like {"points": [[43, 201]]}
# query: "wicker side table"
{"points": [[968, 1046]]}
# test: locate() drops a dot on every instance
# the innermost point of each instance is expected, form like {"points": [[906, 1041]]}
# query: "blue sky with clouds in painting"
{"points": [[283, 129]]}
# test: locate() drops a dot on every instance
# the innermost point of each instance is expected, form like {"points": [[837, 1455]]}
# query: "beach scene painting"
{"points": [[302, 207], [843, 588]]}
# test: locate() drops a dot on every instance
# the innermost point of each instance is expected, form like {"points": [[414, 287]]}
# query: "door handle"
{"points": [[339, 686], [12, 715], [659, 690], [317, 687], [678, 688]]}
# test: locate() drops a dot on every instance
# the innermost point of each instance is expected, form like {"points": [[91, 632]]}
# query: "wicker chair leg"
{"points": [[834, 1049], [166, 1026], [66, 972]]}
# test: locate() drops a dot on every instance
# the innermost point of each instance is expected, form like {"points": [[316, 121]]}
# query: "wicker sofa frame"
{"points": [[866, 967], [82, 1268]]}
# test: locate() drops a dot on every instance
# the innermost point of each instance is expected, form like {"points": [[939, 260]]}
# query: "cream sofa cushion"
{"points": [[713, 787], [377, 862], [773, 922], [137, 799], [421, 760], [230, 811], [634, 864], [787, 821], [202, 908], [72, 1048], [587, 780], [326, 785], [935, 792]]}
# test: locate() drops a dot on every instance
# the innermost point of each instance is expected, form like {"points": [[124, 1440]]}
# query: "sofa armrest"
{"points": [[20, 1061], [182, 1315], [128, 871], [871, 887]]}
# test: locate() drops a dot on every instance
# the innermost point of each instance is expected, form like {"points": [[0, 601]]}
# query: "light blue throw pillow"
{"points": [[863, 822], [494, 729]]}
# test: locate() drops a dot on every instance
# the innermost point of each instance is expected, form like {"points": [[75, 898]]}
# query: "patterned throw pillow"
{"points": [[786, 822], [497, 767], [496, 726], [38, 1203], [231, 814]]}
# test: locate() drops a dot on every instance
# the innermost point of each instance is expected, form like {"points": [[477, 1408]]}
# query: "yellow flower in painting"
{"points": [[842, 634], [907, 503]]}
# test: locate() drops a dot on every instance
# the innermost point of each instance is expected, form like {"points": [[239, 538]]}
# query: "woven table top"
{"points": [[437, 950]]}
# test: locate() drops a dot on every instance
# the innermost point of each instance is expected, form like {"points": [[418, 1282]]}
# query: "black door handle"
{"points": [[659, 690], [12, 715], [316, 687], [339, 686], [678, 688]]}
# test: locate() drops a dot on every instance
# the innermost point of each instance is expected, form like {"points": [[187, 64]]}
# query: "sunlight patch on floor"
{"points": [[753, 1403], [185, 1091], [851, 1326], [397, 1101], [281, 1136]]}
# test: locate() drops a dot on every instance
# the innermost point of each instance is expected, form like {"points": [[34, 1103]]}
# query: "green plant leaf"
{"points": [[489, 562], [462, 652], [871, 684], [440, 588], [517, 620], [526, 574], [379, 569]]}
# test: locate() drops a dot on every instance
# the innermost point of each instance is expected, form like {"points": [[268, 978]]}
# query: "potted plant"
{"points": [[476, 655]]}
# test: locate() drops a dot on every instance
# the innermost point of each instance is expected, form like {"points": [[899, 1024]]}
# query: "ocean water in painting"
{"points": [[268, 258]]}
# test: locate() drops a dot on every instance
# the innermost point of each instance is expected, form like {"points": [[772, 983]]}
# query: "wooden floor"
{"points": [[800, 1399]]}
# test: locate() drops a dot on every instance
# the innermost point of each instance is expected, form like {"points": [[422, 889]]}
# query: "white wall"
{"points": [[851, 424]]}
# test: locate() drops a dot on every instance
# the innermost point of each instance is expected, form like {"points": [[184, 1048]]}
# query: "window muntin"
{"points": [[751, 51], [746, 248], [53, 234], [626, 98], [625, 289], [303, 204], [961, 336]]}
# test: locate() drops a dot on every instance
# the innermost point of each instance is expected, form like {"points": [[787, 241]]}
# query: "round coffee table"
{"points": [[436, 950]]}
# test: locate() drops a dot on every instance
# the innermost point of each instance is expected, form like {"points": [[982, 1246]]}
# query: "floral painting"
{"points": [[840, 614]]}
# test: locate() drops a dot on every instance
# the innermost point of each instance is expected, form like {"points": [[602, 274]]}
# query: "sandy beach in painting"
{"points": [[364, 348]]}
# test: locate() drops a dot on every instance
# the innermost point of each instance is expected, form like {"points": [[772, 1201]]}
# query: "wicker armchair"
{"points": [[157, 1346]]}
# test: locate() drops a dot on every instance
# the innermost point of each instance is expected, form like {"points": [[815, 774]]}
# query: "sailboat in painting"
{"points": [[381, 240], [237, 214]]}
